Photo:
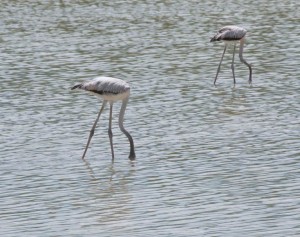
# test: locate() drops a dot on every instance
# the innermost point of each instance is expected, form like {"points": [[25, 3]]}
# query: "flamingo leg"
{"points": [[110, 135], [93, 128], [232, 63], [220, 65]]}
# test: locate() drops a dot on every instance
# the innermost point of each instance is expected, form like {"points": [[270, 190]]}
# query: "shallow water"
{"points": [[211, 161]]}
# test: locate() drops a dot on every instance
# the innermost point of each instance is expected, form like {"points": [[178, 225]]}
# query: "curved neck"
{"points": [[242, 42], [121, 119]]}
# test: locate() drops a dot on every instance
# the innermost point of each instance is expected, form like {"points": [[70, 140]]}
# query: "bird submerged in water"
{"points": [[110, 90], [232, 34]]}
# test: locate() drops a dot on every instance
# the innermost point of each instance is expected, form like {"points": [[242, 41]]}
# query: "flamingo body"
{"points": [[229, 33], [108, 88]]}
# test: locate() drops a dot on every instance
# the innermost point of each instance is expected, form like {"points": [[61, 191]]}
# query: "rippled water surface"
{"points": [[211, 161]]}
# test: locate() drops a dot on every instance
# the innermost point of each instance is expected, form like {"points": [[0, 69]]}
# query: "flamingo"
{"points": [[110, 90], [232, 34]]}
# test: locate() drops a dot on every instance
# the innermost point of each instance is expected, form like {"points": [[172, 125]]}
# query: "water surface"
{"points": [[211, 161]]}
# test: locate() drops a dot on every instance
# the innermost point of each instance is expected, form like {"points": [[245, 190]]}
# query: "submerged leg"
{"points": [[93, 128], [232, 63], [110, 135], [220, 65], [242, 41]]}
